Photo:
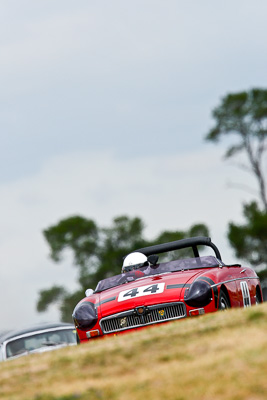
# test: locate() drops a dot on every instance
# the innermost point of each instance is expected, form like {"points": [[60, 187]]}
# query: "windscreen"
{"points": [[172, 266], [33, 342]]}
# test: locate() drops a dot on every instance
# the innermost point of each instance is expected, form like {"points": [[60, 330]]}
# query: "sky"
{"points": [[104, 107]]}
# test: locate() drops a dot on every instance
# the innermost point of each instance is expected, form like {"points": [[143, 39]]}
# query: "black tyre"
{"points": [[258, 296], [223, 301]]}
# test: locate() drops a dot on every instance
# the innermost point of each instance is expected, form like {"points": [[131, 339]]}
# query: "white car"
{"points": [[36, 339]]}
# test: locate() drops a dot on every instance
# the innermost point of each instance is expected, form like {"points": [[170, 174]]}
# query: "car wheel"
{"points": [[223, 301], [258, 297]]}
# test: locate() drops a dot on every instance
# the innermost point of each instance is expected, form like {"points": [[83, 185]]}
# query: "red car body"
{"points": [[166, 291]]}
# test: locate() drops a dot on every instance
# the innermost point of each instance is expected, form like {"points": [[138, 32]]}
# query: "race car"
{"points": [[149, 291]]}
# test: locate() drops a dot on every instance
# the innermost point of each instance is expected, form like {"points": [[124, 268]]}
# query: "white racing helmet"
{"points": [[134, 261]]}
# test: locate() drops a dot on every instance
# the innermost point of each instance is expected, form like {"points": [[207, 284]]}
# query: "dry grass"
{"points": [[218, 356]]}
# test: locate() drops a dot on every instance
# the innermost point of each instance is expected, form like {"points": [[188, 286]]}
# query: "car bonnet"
{"points": [[145, 291]]}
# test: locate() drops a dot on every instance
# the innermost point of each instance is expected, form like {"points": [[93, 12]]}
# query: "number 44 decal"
{"points": [[141, 291]]}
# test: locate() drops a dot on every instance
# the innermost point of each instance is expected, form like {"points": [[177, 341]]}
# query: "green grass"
{"points": [[217, 356]]}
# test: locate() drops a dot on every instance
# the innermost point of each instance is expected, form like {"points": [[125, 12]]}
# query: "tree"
{"points": [[97, 253], [244, 115]]}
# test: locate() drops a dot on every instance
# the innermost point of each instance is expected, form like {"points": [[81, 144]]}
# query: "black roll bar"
{"points": [[181, 244]]}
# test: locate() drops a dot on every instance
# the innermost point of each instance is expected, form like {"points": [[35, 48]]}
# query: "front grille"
{"points": [[152, 315]]}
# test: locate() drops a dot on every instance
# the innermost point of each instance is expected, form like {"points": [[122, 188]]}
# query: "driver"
{"points": [[134, 261]]}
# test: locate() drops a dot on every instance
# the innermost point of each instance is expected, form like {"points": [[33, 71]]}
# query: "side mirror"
{"points": [[89, 292]]}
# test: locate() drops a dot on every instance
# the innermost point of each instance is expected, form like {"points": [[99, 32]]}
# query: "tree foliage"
{"points": [[46, 297], [250, 239], [76, 233], [98, 253]]}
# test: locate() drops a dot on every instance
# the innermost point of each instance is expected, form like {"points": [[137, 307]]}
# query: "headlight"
{"points": [[199, 295], [84, 315]]}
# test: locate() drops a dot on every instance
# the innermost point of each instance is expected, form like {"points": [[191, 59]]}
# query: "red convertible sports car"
{"points": [[149, 292]]}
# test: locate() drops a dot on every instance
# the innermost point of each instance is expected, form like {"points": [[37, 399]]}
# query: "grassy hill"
{"points": [[217, 356]]}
